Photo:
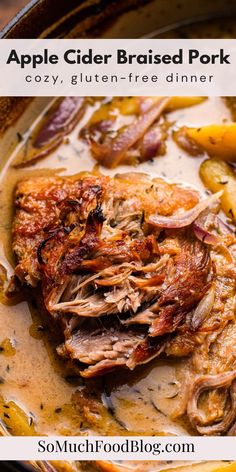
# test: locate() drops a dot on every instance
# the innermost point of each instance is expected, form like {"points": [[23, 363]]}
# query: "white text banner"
{"points": [[118, 448], [101, 67]]}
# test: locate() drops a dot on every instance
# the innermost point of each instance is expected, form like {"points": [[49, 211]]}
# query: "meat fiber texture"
{"points": [[120, 288]]}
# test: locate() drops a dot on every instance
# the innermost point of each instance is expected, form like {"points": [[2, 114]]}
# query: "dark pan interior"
{"points": [[60, 17], [15, 466]]}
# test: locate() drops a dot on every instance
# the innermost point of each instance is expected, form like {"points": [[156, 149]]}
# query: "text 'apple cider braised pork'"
{"points": [[124, 265]]}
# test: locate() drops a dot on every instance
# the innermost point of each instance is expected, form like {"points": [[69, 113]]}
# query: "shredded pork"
{"points": [[123, 289]]}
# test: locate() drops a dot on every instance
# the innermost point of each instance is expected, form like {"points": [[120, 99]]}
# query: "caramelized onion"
{"points": [[232, 431], [46, 467], [111, 153], [205, 236], [153, 143], [60, 122], [203, 309], [208, 382], [183, 219]]}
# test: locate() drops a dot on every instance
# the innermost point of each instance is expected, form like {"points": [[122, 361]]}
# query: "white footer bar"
{"points": [[117, 448]]}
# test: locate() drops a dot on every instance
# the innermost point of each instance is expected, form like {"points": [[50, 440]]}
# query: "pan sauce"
{"points": [[145, 401]]}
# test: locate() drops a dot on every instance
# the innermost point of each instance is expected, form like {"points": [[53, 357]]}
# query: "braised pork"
{"points": [[118, 286], [130, 268]]}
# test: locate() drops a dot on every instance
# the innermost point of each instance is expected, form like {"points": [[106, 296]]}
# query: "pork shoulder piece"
{"points": [[116, 285]]}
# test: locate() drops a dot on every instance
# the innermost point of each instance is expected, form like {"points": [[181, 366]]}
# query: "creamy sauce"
{"points": [[146, 400]]}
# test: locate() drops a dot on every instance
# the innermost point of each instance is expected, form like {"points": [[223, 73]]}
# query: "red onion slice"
{"points": [[197, 416], [111, 152], [204, 235], [153, 143], [184, 219], [60, 122]]}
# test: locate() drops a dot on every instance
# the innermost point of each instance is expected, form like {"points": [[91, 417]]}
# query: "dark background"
{"points": [[8, 8]]}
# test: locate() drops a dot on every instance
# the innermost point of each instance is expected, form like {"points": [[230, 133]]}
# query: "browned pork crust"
{"points": [[117, 286]]}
